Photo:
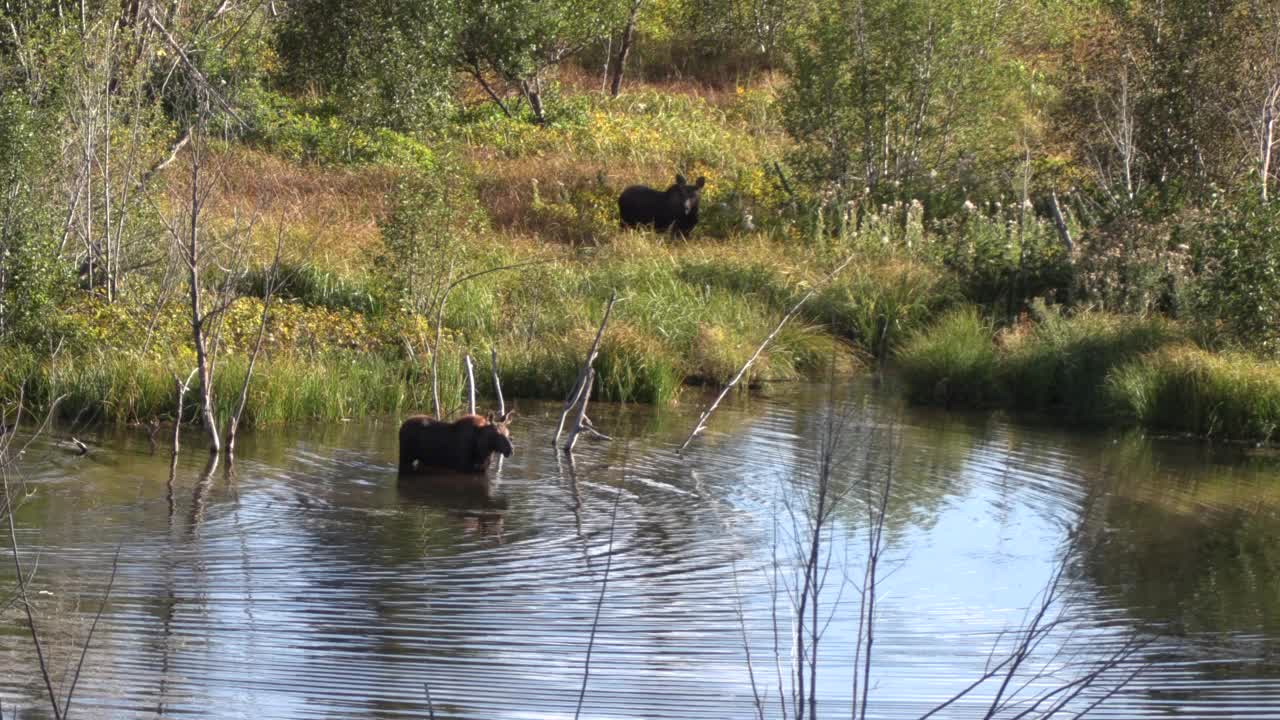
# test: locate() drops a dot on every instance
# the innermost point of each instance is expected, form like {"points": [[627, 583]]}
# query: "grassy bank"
{"points": [[1094, 368], [333, 350], [371, 225]]}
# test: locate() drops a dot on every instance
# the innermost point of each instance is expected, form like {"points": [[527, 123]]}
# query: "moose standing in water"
{"points": [[464, 445], [677, 208]]}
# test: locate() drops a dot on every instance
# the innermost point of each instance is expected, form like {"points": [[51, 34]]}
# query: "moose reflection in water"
{"points": [[464, 445]]}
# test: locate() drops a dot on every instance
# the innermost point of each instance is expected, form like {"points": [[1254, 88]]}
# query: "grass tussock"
{"points": [[1060, 362], [952, 362], [1096, 368], [1183, 388]]}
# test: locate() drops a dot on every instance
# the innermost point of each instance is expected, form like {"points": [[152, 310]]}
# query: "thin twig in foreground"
{"points": [[586, 668], [88, 640], [26, 604], [795, 310]]}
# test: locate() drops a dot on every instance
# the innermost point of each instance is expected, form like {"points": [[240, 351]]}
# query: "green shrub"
{"points": [[952, 362], [318, 133], [1004, 259], [1237, 253], [1061, 362]]}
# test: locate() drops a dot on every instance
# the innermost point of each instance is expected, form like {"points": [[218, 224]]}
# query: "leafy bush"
{"points": [[32, 276], [1004, 258], [1237, 288], [316, 132]]}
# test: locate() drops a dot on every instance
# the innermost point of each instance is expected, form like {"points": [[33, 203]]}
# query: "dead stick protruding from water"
{"points": [[702, 420], [497, 382], [582, 423], [471, 384], [180, 388], [576, 392]]}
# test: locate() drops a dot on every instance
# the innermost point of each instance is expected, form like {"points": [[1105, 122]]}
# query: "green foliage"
{"points": [[952, 362], [385, 64], [883, 90], [32, 276], [316, 132], [1187, 389], [424, 236], [1237, 291], [1006, 258], [517, 41]]}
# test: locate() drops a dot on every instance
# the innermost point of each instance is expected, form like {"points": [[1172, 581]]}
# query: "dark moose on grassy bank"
{"points": [[675, 209]]}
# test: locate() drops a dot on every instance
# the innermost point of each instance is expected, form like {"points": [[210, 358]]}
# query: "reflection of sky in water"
{"points": [[311, 586]]}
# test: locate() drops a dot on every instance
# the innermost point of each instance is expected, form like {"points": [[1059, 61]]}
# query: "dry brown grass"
{"points": [[330, 214], [720, 92]]}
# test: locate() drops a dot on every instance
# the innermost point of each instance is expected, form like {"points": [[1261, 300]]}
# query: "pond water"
{"points": [[310, 583]]}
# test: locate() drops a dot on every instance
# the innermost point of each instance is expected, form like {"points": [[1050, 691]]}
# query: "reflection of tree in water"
{"points": [[1189, 541]]}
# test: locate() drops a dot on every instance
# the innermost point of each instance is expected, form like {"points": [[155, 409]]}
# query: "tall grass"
{"points": [[315, 287], [1094, 368], [953, 361], [1061, 362], [1186, 389], [121, 388]]}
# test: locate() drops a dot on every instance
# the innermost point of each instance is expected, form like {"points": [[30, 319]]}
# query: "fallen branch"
{"points": [[576, 392], [702, 420]]}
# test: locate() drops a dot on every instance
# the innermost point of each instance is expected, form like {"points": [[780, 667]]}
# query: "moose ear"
{"points": [[680, 179], [489, 416], [701, 181], [507, 418]]}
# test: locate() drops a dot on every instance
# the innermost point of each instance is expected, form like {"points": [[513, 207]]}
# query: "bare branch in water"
{"points": [[795, 310], [471, 384], [581, 423], [497, 382], [576, 393]]}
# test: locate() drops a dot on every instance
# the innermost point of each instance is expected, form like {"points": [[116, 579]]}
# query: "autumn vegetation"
{"points": [[1062, 206]]}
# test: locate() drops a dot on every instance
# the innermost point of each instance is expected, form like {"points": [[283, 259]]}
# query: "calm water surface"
{"points": [[309, 583]]}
